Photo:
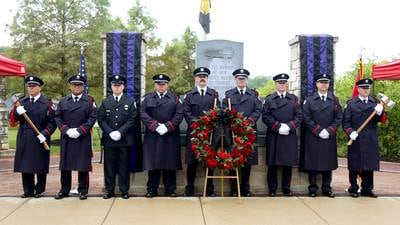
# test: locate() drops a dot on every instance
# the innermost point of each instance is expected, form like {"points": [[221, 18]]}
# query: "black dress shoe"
{"points": [[150, 194], [312, 194], [108, 195], [369, 194], [82, 196], [27, 195], [61, 195], [288, 193], [234, 194], [188, 193], [125, 196], [329, 194], [353, 194], [272, 194], [38, 195], [210, 193], [246, 194], [172, 195]]}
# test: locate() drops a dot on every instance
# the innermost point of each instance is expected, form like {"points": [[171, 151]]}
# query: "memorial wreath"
{"points": [[225, 157]]}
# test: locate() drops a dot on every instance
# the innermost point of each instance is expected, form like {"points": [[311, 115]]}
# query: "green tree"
{"points": [[177, 60], [47, 36]]}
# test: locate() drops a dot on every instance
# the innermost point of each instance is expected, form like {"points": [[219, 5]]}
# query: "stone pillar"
{"points": [[3, 115]]}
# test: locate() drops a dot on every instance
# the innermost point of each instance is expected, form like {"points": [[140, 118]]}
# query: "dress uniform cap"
{"points": [[161, 78], [366, 82], [281, 77], [241, 73], [201, 71], [117, 79], [77, 79], [323, 77], [30, 79]]}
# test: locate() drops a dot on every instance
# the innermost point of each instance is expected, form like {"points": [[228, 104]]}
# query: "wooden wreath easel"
{"points": [[222, 176]]}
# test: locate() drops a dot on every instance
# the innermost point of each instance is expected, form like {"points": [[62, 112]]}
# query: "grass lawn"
{"points": [[55, 138]]}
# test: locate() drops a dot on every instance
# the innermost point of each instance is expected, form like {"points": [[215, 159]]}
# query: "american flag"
{"points": [[82, 69]]}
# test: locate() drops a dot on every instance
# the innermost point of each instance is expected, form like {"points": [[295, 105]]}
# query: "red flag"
{"points": [[360, 76]]}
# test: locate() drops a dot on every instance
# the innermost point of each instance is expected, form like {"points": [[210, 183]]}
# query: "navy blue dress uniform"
{"points": [[320, 156], [363, 154], [247, 102], [117, 113], [281, 149], [196, 102], [78, 112], [161, 153], [30, 157]]}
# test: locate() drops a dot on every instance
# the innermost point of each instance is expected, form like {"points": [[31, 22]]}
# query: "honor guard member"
{"points": [[282, 115], [363, 154], [246, 101], [161, 112], [197, 101], [30, 157], [75, 116], [322, 116], [116, 118]]}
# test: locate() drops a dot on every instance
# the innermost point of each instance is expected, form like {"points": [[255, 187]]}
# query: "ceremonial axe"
{"points": [[14, 100], [385, 101]]}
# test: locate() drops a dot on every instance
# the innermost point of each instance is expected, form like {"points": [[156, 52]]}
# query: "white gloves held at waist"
{"points": [[161, 129], [73, 133], [284, 129], [115, 135], [324, 134]]}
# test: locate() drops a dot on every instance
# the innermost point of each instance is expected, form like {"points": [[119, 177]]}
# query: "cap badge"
{"points": [[30, 78]]}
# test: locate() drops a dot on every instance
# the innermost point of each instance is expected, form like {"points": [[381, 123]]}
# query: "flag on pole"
{"points": [[204, 17], [82, 69], [360, 76]]}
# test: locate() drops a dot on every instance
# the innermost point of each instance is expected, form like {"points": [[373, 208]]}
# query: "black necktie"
{"points": [[202, 92], [241, 91], [281, 96], [116, 98], [161, 95], [323, 98], [76, 99], [32, 100]]}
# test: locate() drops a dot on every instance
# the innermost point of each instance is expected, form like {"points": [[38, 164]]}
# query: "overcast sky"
{"points": [[265, 27]]}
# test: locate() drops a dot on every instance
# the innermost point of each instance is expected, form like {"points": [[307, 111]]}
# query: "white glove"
{"points": [[41, 138], [73, 133], [378, 109], [69, 133], [21, 110], [115, 135], [324, 134], [353, 135], [162, 129], [284, 129]]}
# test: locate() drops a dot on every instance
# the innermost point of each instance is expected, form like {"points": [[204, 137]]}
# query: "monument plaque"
{"points": [[222, 57]]}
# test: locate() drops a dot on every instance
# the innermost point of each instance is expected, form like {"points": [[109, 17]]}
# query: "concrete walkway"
{"points": [[193, 211]]}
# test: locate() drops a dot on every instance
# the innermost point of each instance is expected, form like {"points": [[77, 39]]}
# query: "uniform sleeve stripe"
{"points": [[152, 124], [293, 124], [275, 124], [47, 131], [171, 125], [316, 128], [83, 129]]}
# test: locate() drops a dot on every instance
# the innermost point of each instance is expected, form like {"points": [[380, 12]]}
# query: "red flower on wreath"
{"points": [[228, 158]]}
